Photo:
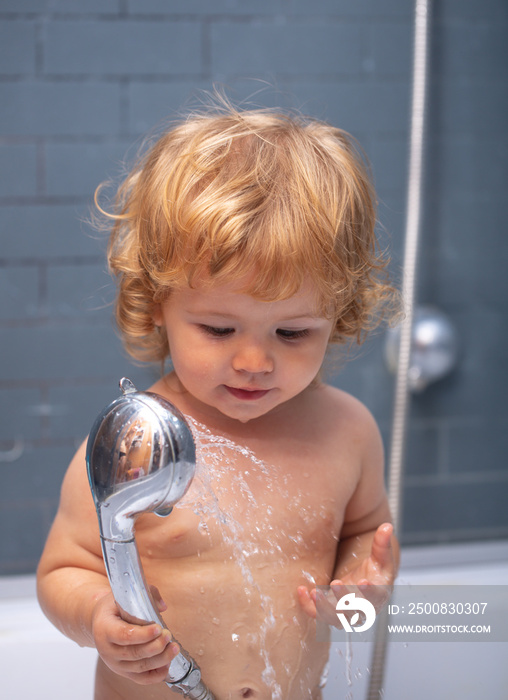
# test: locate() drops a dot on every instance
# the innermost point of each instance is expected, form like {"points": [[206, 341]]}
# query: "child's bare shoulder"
{"points": [[343, 407], [348, 425]]}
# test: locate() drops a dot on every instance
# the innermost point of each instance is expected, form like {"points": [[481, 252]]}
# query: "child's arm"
{"points": [[368, 552], [74, 591]]}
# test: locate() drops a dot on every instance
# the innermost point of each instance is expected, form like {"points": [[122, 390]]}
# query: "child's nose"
{"points": [[252, 358]]}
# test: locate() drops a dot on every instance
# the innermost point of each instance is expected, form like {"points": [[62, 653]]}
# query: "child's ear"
{"points": [[157, 317]]}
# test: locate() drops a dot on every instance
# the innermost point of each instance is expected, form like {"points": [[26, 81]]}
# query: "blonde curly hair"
{"points": [[226, 192]]}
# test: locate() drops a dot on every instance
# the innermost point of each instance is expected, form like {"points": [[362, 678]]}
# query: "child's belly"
{"points": [[248, 635]]}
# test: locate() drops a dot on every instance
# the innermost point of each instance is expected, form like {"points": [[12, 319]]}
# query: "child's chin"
{"points": [[242, 418], [246, 413]]}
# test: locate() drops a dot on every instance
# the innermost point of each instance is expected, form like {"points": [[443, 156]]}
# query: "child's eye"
{"points": [[216, 332], [292, 335]]}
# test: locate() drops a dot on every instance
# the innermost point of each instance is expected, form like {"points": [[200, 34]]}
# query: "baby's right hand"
{"points": [[141, 653]]}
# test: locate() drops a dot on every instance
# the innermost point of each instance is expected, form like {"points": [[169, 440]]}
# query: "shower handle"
{"points": [[136, 604]]}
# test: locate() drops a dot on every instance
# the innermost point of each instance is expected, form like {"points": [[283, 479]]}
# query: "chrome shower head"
{"points": [[140, 458]]}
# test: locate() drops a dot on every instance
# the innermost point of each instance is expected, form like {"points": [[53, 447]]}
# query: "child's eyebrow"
{"points": [[303, 317]]}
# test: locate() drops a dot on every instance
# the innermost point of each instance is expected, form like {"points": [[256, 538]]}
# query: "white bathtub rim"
{"points": [[463, 554]]}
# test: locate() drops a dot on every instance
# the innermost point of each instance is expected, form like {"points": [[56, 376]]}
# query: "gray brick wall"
{"points": [[80, 82]]}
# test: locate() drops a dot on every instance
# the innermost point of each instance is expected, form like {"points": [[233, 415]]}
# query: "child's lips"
{"points": [[247, 394]]}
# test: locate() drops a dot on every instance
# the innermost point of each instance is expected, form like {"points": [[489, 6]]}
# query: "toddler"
{"points": [[243, 245]]}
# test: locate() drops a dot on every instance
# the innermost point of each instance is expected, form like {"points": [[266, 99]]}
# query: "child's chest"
{"points": [[239, 505]]}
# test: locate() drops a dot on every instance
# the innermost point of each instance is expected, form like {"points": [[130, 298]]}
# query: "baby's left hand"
{"points": [[373, 576]]}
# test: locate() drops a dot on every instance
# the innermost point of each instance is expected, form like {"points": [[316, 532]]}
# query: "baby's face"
{"points": [[241, 356]]}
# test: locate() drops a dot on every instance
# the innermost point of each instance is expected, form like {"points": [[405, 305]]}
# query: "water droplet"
{"points": [[309, 577], [203, 528]]}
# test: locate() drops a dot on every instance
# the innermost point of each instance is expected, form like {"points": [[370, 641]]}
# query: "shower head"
{"points": [[140, 458]]}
